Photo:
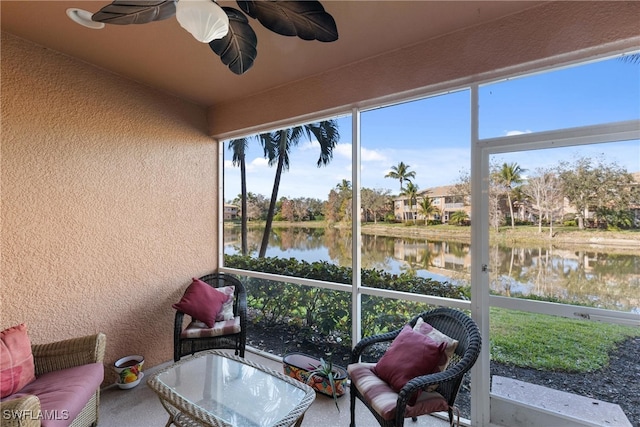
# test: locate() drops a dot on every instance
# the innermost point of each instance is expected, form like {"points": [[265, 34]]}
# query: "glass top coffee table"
{"points": [[214, 388]]}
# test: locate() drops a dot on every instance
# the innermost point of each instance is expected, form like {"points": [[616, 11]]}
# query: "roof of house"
{"points": [[433, 192]]}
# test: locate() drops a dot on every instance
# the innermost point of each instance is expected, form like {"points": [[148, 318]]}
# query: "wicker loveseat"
{"points": [[66, 372]]}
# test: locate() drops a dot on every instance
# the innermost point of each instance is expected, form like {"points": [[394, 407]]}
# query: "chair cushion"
{"points": [[226, 312], [383, 399], [197, 329], [16, 360], [428, 330], [64, 393], [201, 302], [410, 355]]}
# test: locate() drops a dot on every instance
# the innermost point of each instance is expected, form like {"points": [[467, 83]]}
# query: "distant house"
{"points": [[230, 211], [444, 198]]}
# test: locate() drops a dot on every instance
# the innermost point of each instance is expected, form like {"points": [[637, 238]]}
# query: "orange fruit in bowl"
{"points": [[129, 378]]}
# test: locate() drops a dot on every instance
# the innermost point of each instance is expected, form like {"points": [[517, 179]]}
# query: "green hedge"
{"points": [[327, 312]]}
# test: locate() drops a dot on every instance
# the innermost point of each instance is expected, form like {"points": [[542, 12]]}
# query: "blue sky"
{"points": [[432, 135]]}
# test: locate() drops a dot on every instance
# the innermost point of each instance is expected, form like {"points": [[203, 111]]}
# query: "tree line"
{"points": [[599, 192], [587, 191]]}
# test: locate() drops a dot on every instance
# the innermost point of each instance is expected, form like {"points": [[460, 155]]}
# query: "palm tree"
{"points": [[401, 173], [521, 199], [508, 175], [411, 192], [633, 58], [239, 146], [458, 218], [427, 208], [277, 146], [344, 186]]}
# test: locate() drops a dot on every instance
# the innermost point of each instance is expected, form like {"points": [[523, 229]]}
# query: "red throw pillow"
{"points": [[202, 302], [410, 355], [16, 360]]}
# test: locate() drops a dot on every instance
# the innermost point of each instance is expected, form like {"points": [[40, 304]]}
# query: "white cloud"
{"points": [[343, 150], [516, 132], [372, 156], [258, 163], [366, 155], [312, 145]]}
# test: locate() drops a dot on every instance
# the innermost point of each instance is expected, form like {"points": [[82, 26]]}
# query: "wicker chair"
{"points": [[454, 324], [54, 357], [208, 339]]}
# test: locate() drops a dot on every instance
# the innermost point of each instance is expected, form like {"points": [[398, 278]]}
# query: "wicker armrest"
{"points": [[68, 353], [424, 381], [369, 341], [20, 412]]}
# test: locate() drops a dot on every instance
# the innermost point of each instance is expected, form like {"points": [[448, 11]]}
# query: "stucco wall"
{"points": [[543, 36], [109, 203]]}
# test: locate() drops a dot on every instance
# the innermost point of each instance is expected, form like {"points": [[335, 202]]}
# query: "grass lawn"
{"points": [[553, 343]]}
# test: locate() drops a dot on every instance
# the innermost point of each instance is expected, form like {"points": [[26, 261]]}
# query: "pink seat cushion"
{"points": [[197, 329], [64, 393], [383, 399]]}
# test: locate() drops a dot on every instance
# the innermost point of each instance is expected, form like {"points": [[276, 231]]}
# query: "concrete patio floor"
{"points": [[140, 407]]}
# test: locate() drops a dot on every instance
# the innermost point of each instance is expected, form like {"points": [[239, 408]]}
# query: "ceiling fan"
{"points": [[226, 29]]}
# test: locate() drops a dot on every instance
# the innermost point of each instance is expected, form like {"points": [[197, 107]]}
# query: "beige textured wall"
{"points": [[109, 203], [542, 36]]}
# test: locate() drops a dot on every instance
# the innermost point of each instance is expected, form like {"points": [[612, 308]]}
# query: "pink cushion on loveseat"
{"points": [[64, 393]]}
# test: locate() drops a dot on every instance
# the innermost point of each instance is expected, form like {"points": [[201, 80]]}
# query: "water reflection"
{"points": [[605, 280]]}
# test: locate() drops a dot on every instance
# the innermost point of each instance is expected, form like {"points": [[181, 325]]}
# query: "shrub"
{"points": [[390, 218], [328, 311]]}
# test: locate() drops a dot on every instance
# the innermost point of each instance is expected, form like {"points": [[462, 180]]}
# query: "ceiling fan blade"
{"points": [[237, 49], [124, 12], [305, 19]]}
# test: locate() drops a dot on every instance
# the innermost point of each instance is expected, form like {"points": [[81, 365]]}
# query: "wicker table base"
{"points": [[216, 389]]}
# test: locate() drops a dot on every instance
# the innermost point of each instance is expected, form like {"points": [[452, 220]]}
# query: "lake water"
{"points": [[604, 279]]}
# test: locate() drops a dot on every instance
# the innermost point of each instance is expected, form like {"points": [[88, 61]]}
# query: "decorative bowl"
{"points": [[129, 370]]}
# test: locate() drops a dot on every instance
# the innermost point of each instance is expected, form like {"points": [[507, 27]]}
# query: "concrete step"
{"points": [[545, 407]]}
